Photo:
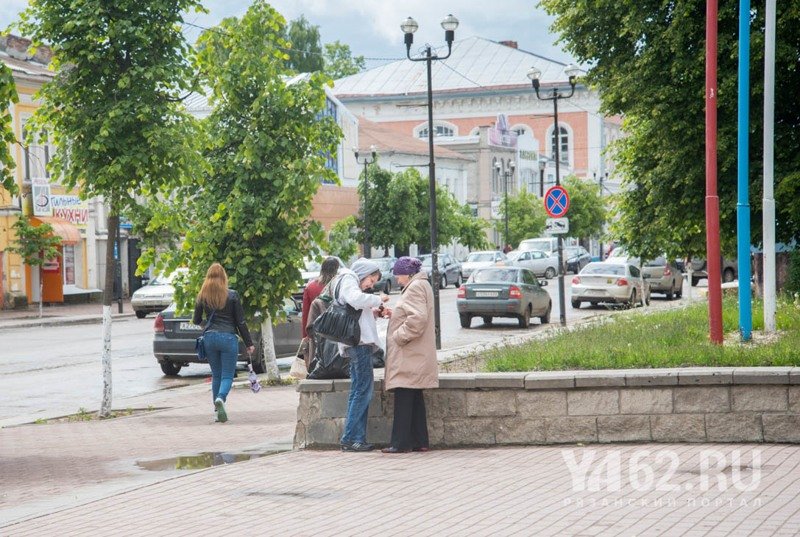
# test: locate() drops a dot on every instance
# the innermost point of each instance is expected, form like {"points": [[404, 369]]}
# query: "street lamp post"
{"points": [[409, 26], [572, 71], [367, 160], [506, 174]]}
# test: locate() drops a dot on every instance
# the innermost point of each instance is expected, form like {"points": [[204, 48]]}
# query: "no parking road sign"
{"points": [[556, 202]]}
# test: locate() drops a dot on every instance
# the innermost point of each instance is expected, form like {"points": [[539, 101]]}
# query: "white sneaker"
{"points": [[219, 405]]}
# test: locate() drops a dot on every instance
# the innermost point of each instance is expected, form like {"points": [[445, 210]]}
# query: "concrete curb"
{"points": [[60, 321]]}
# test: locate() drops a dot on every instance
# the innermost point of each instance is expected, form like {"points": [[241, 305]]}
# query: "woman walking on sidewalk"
{"points": [[224, 316], [411, 364]]}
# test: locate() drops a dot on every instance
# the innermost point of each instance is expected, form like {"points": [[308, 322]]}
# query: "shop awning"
{"points": [[68, 232]]}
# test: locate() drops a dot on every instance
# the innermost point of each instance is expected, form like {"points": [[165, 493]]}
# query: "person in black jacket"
{"points": [[220, 341]]}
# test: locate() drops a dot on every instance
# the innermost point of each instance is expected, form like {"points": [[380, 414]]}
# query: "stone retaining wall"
{"points": [[643, 405]]}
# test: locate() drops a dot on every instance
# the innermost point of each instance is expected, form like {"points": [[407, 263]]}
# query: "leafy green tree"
{"points": [[648, 60], [36, 245], [471, 229], [8, 96], [380, 216], [252, 210], [340, 62], [587, 213], [305, 55], [405, 194], [526, 217], [342, 239], [113, 108]]}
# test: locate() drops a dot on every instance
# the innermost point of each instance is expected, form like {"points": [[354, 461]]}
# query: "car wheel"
{"points": [[671, 293], [388, 287], [259, 360], [550, 273], [170, 369], [141, 314], [466, 320], [546, 317], [646, 299], [525, 318], [679, 292], [487, 320], [443, 282], [576, 304], [727, 275], [632, 299], [459, 278]]}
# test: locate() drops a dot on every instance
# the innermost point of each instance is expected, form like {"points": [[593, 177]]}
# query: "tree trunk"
{"points": [[268, 346], [108, 297], [41, 290]]}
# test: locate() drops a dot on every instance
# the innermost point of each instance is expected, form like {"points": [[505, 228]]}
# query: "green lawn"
{"points": [[674, 338]]}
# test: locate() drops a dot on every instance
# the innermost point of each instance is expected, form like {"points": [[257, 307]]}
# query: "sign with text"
{"points": [[71, 208], [40, 194]]}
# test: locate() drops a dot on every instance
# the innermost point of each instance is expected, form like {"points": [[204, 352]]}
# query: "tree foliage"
{"points": [[342, 239], [648, 60], [266, 159], [340, 62], [305, 55], [398, 213], [8, 96], [34, 244], [526, 217], [587, 213]]}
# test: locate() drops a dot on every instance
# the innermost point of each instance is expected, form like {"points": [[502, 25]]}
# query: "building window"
{"points": [[520, 130], [69, 264], [438, 130], [36, 156], [563, 148], [331, 160]]}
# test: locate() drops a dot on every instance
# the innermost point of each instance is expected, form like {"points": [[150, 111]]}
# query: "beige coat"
{"points": [[411, 339]]}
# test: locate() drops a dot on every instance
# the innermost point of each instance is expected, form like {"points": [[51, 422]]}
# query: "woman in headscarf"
{"points": [[224, 319], [411, 364], [348, 288]]}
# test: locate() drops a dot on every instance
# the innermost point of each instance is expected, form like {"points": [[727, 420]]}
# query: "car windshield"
{"points": [[540, 244], [477, 257], [312, 266], [161, 279], [657, 262], [604, 268], [495, 275], [426, 260], [513, 256]]}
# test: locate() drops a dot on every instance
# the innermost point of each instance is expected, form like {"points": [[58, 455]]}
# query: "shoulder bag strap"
{"points": [[208, 322]]}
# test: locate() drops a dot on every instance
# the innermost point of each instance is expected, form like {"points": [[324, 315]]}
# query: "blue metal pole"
{"points": [[743, 204]]}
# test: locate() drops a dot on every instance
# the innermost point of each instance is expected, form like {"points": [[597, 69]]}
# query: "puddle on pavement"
{"points": [[206, 459]]}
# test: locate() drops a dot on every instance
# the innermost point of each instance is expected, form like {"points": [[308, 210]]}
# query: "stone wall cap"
{"points": [[315, 386], [762, 375], [456, 380], [705, 375], [500, 380], [542, 380], [599, 378]]}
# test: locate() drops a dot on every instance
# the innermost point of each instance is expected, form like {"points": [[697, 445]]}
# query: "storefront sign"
{"points": [[72, 209], [40, 194], [500, 136]]}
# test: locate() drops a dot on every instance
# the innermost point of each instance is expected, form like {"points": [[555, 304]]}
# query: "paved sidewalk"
{"points": [[61, 314], [508, 491]]}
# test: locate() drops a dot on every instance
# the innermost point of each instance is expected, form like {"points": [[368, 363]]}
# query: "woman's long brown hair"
{"points": [[214, 292]]}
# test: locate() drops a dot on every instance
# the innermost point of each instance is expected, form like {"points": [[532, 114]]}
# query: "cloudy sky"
{"points": [[372, 27]]}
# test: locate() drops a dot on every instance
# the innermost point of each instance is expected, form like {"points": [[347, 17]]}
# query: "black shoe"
{"points": [[357, 446], [392, 449]]}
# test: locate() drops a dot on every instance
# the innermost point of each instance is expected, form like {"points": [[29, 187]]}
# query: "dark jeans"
{"points": [[410, 426], [222, 349], [361, 380]]}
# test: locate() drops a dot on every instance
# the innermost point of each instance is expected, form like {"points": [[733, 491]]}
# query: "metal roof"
{"points": [[475, 63]]}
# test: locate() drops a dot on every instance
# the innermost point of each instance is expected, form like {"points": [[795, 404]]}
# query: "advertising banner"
{"points": [[40, 194], [70, 208]]}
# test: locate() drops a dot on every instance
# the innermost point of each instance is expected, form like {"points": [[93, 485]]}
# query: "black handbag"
{"points": [[199, 345], [339, 322]]}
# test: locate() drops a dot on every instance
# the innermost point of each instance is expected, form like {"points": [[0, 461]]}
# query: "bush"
{"points": [[793, 282]]}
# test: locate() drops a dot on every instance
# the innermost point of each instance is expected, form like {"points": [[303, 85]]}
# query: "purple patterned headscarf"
{"points": [[407, 266]]}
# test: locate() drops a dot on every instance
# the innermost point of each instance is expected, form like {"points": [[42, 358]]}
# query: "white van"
{"points": [[548, 245]]}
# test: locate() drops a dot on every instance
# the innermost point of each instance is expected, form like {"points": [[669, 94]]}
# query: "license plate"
{"points": [[189, 326], [486, 294]]}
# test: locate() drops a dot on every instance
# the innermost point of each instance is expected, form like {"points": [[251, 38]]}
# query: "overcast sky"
{"points": [[372, 27]]}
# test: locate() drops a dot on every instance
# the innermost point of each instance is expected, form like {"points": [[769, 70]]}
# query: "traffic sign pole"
{"points": [[556, 204]]}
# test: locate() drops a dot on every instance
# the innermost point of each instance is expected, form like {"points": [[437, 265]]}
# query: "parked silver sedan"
{"points": [[539, 262], [604, 282], [663, 277], [503, 292], [480, 260]]}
